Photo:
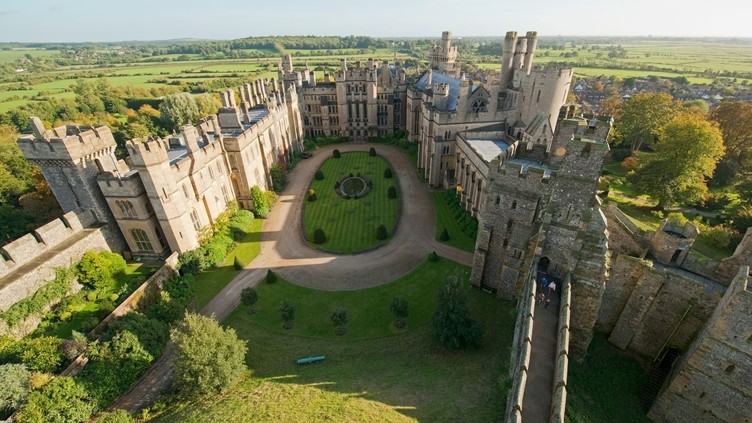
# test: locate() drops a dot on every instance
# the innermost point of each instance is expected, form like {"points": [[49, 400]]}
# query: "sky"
{"points": [[105, 20]]}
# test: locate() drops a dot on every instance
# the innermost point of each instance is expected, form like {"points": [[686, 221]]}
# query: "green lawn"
{"points": [[392, 378], [350, 225], [445, 219], [606, 387], [368, 309], [211, 281]]}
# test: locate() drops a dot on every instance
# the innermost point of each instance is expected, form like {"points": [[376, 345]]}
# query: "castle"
{"points": [[522, 161]]}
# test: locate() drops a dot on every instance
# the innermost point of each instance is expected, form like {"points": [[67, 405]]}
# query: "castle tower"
{"points": [[532, 44], [70, 158], [443, 56], [507, 59]]}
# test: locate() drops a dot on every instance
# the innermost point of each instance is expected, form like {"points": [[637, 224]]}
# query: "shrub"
{"points": [[192, 262], [311, 195], [271, 277], [336, 154], [96, 270], [208, 358], [399, 308], [279, 180], [118, 416], [319, 175], [338, 316], [372, 152], [91, 296], [113, 297], [381, 232], [14, 378], [261, 205], [44, 354], [249, 296], [153, 334], [287, 310], [237, 264], [51, 291], [433, 257], [387, 173], [62, 400], [629, 164], [319, 237], [444, 235], [391, 192]]}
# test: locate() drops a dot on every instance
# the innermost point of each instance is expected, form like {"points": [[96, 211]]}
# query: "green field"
{"points": [[350, 225], [387, 378], [445, 219]]}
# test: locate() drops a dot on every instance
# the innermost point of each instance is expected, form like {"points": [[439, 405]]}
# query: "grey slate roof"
{"points": [[439, 78]]}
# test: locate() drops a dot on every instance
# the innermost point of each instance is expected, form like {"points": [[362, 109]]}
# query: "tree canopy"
{"points": [[178, 110], [686, 154], [642, 118], [734, 119], [208, 358], [451, 322]]}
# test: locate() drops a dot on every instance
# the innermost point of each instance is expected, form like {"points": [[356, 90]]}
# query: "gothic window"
{"points": [[219, 169], [479, 106], [195, 220], [126, 207], [185, 191], [142, 240], [211, 173], [225, 194]]}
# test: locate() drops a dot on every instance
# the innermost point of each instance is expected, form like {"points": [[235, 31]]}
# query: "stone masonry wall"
{"points": [[643, 305], [30, 261], [713, 382]]}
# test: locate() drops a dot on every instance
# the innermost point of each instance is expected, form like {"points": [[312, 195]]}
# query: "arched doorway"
{"points": [[543, 264]]}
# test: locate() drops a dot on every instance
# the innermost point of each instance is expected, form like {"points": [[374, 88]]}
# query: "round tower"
{"points": [[532, 44], [507, 58]]}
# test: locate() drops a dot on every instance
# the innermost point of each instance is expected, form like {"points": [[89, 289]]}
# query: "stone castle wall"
{"points": [[713, 381], [643, 304], [30, 261]]}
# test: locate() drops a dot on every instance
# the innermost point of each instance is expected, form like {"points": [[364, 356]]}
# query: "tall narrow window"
{"points": [[142, 240], [160, 236], [225, 194], [194, 220]]}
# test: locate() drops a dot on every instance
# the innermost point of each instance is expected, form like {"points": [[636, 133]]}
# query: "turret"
{"points": [[507, 58], [532, 43], [519, 52]]}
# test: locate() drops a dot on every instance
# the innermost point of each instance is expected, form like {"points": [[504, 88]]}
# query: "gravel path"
{"points": [[284, 250]]}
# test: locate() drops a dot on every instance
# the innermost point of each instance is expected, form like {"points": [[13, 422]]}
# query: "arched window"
{"points": [[142, 240], [194, 220], [185, 191], [126, 207], [479, 106], [225, 194]]}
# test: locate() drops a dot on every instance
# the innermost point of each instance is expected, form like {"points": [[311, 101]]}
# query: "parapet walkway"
{"points": [[536, 404]]}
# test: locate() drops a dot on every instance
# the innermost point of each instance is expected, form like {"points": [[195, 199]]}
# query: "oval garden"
{"points": [[352, 203]]}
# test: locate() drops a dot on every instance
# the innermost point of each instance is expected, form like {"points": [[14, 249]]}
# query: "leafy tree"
{"points": [[338, 316], [113, 366], [96, 269], [63, 400], [208, 358], [319, 175], [686, 154], [249, 296], [611, 105], [336, 154], [14, 378], [734, 119], [451, 322], [287, 310], [207, 104], [178, 110], [643, 117], [372, 152]]}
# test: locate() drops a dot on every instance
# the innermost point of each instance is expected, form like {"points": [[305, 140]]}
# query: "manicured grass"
{"points": [[350, 225], [403, 377], [211, 281], [367, 309], [606, 387], [445, 219]]}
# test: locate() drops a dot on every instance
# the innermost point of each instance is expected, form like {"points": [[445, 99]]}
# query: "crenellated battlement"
{"points": [[147, 152], [32, 245], [68, 144]]}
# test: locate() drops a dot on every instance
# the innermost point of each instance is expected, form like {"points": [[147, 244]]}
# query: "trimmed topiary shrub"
{"points": [[372, 152], [113, 297], [287, 312], [433, 257], [319, 175], [319, 237], [387, 173], [336, 154], [381, 233], [237, 264], [444, 235], [249, 296], [391, 192], [311, 195], [271, 277]]}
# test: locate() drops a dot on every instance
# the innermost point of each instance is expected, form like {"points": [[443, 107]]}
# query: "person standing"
{"points": [[543, 285], [551, 288]]}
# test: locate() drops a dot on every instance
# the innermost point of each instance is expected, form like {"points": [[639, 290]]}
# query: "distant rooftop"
{"points": [[256, 115], [488, 149], [526, 164], [440, 78]]}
